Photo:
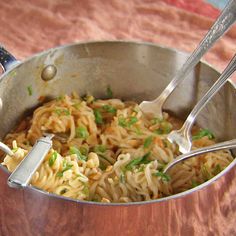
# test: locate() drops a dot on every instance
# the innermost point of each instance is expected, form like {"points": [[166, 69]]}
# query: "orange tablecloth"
{"points": [[31, 26]]}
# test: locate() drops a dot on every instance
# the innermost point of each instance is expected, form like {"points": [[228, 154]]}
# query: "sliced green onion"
{"points": [[138, 161], [30, 90], [15, 149], [76, 151], [83, 150], [60, 98], [202, 133], [52, 158], [86, 190], [109, 109], [122, 122], [100, 148], [122, 177], [148, 142], [165, 128], [127, 122], [109, 92], [81, 132], [217, 169], [77, 105], [98, 116], [65, 166], [88, 98], [132, 120], [163, 176], [206, 173], [61, 112], [194, 183], [156, 120]]}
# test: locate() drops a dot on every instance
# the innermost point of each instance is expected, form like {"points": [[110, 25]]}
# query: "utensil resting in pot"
{"points": [[183, 136], [222, 24], [6, 149], [216, 147]]}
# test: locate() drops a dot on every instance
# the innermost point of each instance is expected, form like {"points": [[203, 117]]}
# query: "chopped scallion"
{"points": [[122, 122], [109, 109], [122, 177], [100, 148], [206, 173], [217, 169], [138, 161], [30, 90], [52, 158], [98, 116], [163, 176], [132, 120], [65, 166], [81, 132], [109, 92], [60, 98], [61, 112], [202, 133], [74, 150], [194, 183], [148, 142]]}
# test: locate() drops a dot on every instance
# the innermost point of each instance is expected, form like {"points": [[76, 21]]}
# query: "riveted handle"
{"points": [[6, 59]]}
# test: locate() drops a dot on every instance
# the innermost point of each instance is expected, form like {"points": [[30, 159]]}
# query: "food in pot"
{"points": [[108, 151]]}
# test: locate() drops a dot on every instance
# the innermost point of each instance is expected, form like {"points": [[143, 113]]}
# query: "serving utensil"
{"points": [[221, 25], [183, 136], [23, 173], [216, 147], [6, 149]]}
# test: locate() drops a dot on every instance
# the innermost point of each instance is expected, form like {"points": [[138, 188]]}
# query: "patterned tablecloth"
{"points": [[31, 26]]}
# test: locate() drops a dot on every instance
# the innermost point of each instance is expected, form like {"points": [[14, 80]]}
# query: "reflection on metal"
{"points": [[49, 72]]}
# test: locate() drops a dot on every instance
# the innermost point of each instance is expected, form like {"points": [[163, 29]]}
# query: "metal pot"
{"points": [[135, 71]]}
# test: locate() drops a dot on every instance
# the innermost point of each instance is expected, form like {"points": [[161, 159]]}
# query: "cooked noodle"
{"points": [[108, 151]]}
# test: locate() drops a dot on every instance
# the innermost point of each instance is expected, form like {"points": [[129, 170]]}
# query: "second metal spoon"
{"points": [[183, 136], [216, 147]]}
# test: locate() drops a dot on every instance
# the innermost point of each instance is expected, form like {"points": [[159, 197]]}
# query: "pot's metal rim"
{"points": [[175, 196], [164, 199], [137, 42]]}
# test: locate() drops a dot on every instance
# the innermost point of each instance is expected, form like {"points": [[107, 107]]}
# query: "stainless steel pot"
{"points": [[135, 71]]}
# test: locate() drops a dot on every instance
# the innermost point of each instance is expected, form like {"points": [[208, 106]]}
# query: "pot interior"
{"points": [[134, 71]]}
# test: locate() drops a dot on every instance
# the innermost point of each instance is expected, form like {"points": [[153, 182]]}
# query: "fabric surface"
{"points": [[33, 26]]}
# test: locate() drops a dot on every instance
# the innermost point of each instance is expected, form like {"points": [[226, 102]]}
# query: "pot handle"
{"points": [[6, 59]]}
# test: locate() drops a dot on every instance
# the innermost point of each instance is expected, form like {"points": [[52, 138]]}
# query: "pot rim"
{"points": [[163, 199]]}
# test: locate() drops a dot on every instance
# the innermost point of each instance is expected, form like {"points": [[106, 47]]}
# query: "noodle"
{"points": [[108, 151]]}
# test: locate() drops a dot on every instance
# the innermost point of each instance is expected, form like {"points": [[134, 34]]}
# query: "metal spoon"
{"points": [[22, 175], [183, 136], [222, 24], [219, 146], [6, 149]]}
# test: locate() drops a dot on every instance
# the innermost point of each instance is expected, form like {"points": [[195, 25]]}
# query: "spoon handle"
{"points": [[221, 25], [216, 147], [211, 92], [6, 149], [21, 176]]}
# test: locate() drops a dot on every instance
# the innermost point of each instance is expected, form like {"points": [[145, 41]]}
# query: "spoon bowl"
{"points": [[216, 147], [221, 25], [183, 136]]}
